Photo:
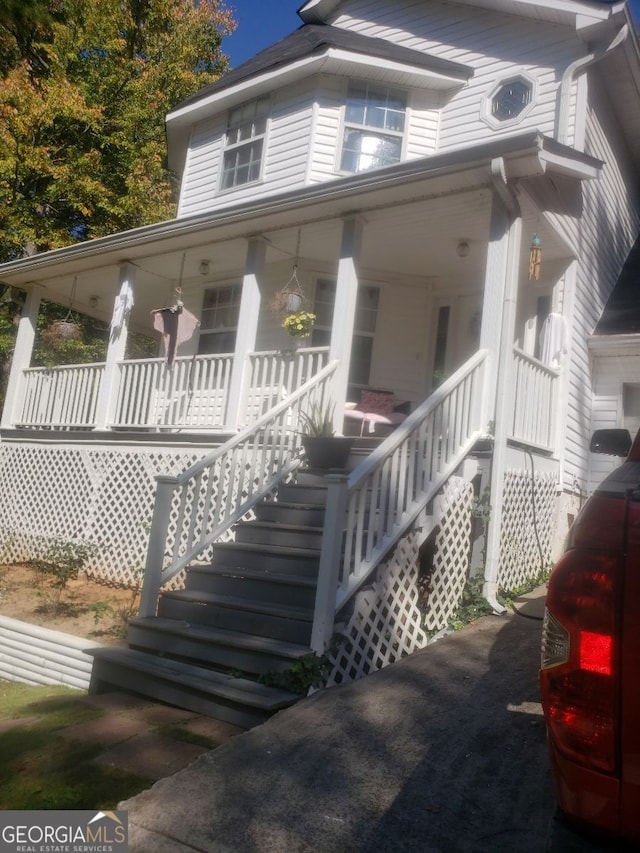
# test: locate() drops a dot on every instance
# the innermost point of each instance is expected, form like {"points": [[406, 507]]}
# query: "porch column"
{"points": [[22, 353], [247, 329], [344, 312], [502, 279], [110, 386]]}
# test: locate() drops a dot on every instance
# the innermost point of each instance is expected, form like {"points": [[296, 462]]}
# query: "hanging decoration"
{"points": [[66, 329], [535, 257], [290, 299], [299, 324], [176, 324]]}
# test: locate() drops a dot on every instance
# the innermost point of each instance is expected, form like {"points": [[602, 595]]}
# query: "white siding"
{"points": [[496, 46], [285, 158], [330, 98], [609, 226]]}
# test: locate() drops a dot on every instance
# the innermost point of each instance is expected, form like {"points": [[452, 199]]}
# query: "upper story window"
{"points": [[244, 143], [509, 101], [219, 320], [374, 124]]}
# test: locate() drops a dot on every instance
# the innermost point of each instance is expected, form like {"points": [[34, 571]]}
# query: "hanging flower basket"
{"points": [[299, 324], [63, 330]]}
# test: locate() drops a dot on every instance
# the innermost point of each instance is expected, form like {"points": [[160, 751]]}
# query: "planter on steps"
{"points": [[325, 452]]}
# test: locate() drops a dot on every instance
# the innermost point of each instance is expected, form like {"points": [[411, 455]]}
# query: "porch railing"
{"points": [[61, 397], [535, 391], [393, 486], [199, 506], [192, 393]]}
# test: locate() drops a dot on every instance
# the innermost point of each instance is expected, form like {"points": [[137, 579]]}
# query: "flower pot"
{"points": [[325, 452]]}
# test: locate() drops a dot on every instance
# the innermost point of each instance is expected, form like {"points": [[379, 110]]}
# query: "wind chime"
{"points": [[535, 257]]}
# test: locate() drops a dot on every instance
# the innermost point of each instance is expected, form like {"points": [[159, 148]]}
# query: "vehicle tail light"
{"points": [[579, 668]]}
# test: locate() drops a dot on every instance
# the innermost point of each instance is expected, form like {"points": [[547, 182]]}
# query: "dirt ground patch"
{"points": [[84, 608]]}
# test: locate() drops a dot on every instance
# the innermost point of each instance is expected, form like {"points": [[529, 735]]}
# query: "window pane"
{"points": [[360, 369], [365, 150]]}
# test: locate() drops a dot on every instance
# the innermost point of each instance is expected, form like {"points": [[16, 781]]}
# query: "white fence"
{"points": [[534, 394], [61, 397]]}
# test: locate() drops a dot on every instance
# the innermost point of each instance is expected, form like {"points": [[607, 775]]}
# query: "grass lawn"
{"points": [[40, 770]]}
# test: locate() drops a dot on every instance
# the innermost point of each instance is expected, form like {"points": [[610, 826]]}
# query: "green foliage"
{"points": [[472, 604], [85, 88], [39, 770], [308, 671], [60, 561], [318, 421]]}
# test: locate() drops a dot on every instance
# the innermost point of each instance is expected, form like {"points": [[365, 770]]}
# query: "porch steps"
{"points": [[235, 700], [248, 613]]}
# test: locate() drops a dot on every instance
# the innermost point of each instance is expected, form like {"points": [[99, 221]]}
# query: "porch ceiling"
{"points": [[414, 217]]}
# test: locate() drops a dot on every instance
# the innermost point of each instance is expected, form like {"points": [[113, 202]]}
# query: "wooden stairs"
{"points": [[246, 615]]}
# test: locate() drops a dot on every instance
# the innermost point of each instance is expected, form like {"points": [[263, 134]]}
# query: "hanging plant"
{"points": [[299, 324], [66, 329]]}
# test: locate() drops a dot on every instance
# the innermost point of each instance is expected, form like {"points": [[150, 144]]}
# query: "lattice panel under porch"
{"points": [[387, 623], [452, 554], [100, 497], [522, 540]]}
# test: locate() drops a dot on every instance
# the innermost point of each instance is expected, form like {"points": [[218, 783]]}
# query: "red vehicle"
{"points": [[590, 669]]}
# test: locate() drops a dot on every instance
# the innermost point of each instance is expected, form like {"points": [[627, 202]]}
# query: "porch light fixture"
{"points": [[203, 269], [535, 257], [462, 249]]}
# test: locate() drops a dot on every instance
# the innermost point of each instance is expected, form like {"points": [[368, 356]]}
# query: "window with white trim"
{"points": [[219, 319], [364, 326], [374, 125], [244, 143]]}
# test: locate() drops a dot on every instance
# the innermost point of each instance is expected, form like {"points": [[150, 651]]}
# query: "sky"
{"points": [[263, 22]]}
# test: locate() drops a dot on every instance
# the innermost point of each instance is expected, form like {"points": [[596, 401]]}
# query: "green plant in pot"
{"points": [[323, 448]]}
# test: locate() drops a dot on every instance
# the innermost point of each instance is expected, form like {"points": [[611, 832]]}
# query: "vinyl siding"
{"points": [[609, 226], [497, 47], [285, 158]]}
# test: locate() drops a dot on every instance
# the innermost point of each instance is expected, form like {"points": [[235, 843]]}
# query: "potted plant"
{"points": [[323, 448], [299, 324]]}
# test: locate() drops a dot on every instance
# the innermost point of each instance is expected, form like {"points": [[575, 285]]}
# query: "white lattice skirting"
{"points": [[387, 623], [527, 527], [83, 495]]}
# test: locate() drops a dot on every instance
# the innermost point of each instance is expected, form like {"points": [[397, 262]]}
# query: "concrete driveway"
{"points": [[442, 753]]}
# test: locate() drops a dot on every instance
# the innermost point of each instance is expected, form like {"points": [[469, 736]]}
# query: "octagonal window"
{"points": [[511, 99]]}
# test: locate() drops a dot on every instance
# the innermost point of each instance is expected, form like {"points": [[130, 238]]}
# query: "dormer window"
{"points": [[244, 144], [374, 125]]}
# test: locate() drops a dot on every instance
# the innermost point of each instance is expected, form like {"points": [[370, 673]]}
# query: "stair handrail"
{"points": [[198, 506], [384, 495]]}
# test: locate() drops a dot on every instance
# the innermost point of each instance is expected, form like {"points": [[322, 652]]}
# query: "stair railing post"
{"points": [[152, 580], [330, 562]]}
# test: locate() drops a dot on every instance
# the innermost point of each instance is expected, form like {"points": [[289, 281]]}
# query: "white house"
{"points": [[452, 188]]}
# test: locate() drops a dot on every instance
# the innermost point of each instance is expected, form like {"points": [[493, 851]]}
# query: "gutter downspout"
{"points": [[570, 74], [504, 393]]}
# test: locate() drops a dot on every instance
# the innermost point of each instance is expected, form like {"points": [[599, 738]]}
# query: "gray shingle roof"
{"points": [[621, 315], [313, 39]]}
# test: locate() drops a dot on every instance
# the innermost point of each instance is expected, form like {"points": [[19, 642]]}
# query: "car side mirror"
{"points": [[615, 442]]}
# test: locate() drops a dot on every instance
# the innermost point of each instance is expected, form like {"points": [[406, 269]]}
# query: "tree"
{"points": [[85, 87]]}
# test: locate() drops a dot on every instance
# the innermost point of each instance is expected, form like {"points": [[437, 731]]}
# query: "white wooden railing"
{"points": [[61, 397], [196, 508], [535, 390], [190, 393], [378, 501]]}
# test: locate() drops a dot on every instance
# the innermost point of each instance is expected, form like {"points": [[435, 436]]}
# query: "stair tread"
{"points": [[253, 574], [281, 525], [294, 505], [239, 690], [224, 636], [285, 610], [287, 550]]}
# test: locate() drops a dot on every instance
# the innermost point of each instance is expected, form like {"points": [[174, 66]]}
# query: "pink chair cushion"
{"points": [[377, 402]]}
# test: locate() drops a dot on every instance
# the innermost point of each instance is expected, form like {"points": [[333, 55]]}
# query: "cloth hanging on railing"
{"points": [[554, 340], [121, 309], [176, 325]]}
